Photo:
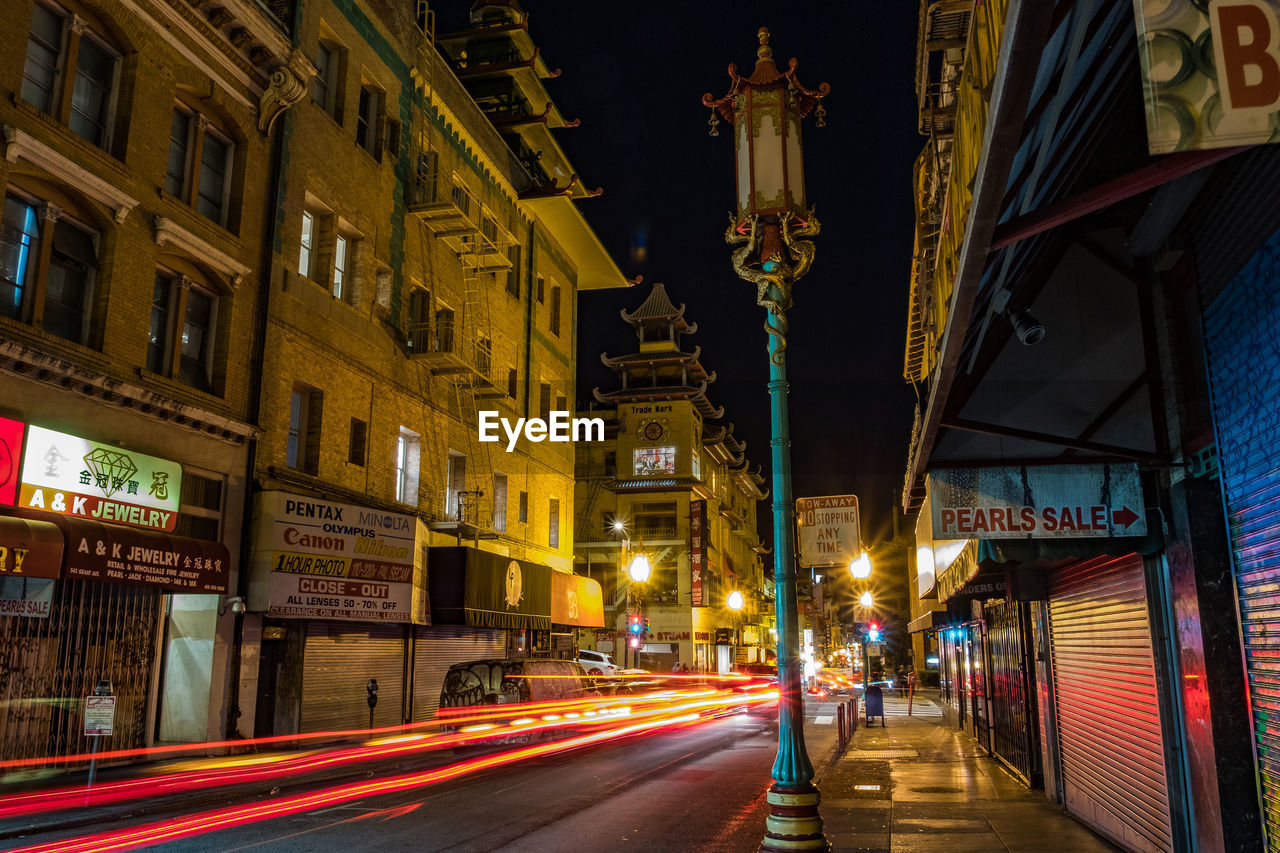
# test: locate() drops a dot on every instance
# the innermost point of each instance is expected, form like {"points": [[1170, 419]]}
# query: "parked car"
{"points": [[496, 681], [596, 663]]}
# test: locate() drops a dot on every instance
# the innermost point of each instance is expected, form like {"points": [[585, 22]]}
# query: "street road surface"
{"points": [[699, 788]]}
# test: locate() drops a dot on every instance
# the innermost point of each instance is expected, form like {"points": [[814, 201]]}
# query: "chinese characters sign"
{"points": [[697, 550], [75, 476], [10, 457], [1211, 71]]}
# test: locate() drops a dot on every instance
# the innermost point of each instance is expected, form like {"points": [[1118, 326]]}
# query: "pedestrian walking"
{"points": [[911, 688]]}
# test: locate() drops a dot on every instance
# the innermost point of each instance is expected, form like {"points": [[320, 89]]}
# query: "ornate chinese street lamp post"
{"points": [[771, 225]]}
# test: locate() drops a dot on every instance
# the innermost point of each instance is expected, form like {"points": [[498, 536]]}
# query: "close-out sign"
{"points": [[1211, 72], [1034, 502]]}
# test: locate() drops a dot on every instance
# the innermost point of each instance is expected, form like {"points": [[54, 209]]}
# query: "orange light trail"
{"points": [[677, 715]]}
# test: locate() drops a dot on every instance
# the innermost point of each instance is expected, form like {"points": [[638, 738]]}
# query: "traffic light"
{"points": [[646, 625], [635, 626], [873, 632]]}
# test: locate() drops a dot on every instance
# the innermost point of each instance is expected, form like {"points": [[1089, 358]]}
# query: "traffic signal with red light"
{"points": [[873, 632]]}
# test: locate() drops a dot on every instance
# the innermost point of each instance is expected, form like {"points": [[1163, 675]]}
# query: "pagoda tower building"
{"points": [[673, 484]]}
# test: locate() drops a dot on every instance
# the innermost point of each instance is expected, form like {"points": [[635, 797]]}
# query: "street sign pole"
{"points": [[99, 722]]}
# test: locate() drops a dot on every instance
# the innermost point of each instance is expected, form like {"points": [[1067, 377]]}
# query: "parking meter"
{"points": [[372, 687]]}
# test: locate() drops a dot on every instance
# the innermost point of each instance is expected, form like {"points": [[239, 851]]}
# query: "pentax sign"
{"points": [[1037, 502]]}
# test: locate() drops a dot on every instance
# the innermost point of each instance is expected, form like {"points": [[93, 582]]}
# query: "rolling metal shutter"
{"points": [[1244, 373], [1108, 713], [441, 646], [338, 662]]}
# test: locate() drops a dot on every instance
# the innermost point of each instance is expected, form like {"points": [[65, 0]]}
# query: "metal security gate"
{"points": [[1244, 373], [1107, 709], [439, 647], [337, 663], [1014, 731], [95, 631]]}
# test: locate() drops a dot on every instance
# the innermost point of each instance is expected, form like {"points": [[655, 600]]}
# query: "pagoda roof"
{"points": [[658, 306], [697, 394], [671, 357]]}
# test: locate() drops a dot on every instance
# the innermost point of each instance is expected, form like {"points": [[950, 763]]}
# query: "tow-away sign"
{"points": [[828, 530], [1037, 502]]}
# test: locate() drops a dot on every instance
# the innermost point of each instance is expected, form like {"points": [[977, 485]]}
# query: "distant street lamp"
{"points": [[867, 599], [860, 567], [734, 601], [770, 229]]}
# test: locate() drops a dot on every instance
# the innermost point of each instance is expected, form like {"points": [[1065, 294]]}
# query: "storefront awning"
{"points": [[486, 590], [29, 549], [123, 555], [576, 600]]}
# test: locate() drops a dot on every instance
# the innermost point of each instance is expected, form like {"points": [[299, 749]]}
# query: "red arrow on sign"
{"points": [[1123, 516]]}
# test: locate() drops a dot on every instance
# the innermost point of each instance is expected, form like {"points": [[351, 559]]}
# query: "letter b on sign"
{"points": [[1246, 47]]}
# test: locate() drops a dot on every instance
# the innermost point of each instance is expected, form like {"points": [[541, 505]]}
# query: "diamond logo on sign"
{"points": [[111, 469]]}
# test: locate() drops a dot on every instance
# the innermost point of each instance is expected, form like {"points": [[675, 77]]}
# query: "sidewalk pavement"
{"points": [[918, 785]]}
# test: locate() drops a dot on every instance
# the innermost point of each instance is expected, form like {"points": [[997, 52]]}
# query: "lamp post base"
{"points": [[793, 823]]}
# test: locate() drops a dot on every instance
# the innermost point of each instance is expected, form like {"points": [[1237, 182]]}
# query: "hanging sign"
{"points": [[697, 551], [30, 597], [71, 475], [99, 715], [827, 530], [1211, 72], [1037, 502]]}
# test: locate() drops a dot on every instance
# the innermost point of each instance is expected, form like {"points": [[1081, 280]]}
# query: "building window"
{"points": [[419, 320], [356, 442], [542, 290], [544, 401], [199, 164], [53, 288], [307, 253], [187, 352], [369, 121], [512, 380], [484, 355], [457, 483], [340, 267], [500, 502], [553, 524], [523, 509], [200, 516], [306, 410], [408, 456], [696, 460], [513, 274], [444, 330], [322, 92], [84, 100], [555, 310], [562, 404]]}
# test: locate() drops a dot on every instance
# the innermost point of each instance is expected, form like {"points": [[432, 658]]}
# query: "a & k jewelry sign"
{"points": [[71, 475]]}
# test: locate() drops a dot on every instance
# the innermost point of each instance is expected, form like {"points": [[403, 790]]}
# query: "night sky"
{"points": [[634, 73]]}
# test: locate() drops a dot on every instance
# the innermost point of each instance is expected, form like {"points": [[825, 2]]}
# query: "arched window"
{"points": [[182, 337], [200, 164], [71, 72], [48, 264]]}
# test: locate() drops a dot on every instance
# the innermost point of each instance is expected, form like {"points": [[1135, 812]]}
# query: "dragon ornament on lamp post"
{"points": [[771, 228]]}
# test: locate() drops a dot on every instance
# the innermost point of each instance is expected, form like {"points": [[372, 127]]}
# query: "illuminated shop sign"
{"points": [[10, 458], [74, 476], [653, 461]]}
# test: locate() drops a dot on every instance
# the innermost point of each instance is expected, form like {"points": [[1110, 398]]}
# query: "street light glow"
{"points": [[734, 601], [619, 526], [867, 599], [640, 568], [860, 568]]}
